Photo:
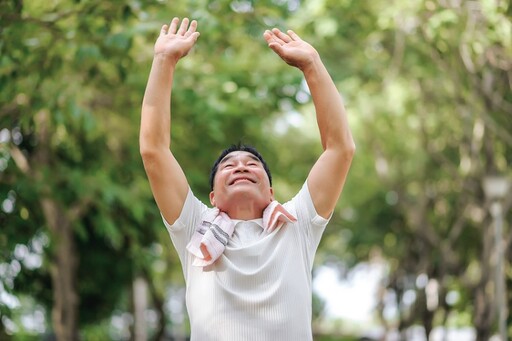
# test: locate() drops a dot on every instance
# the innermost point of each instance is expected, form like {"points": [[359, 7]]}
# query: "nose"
{"points": [[240, 168]]}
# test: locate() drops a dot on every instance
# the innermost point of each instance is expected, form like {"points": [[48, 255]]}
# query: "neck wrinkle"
{"points": [[245, 211]]}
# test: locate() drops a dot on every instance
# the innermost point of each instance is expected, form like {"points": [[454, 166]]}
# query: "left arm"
{"points": [[328, 174]]}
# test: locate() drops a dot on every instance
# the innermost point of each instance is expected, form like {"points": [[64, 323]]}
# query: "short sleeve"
{"points": [[312, 224], [183, 228]]}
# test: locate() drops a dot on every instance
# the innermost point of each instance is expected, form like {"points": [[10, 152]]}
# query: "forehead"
{"points": [[239, 155]]}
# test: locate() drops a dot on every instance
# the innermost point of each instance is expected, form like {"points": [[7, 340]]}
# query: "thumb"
{"points": [[276, 47], [193, 37], [164, 30]]}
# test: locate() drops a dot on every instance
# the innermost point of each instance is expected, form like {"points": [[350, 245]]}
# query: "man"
{"points": [[247, 261]]}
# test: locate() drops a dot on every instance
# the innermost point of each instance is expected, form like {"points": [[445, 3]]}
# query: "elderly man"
{"points": [[247, 260]]}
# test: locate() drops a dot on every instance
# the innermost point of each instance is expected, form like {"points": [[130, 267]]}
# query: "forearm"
{"points": [[156, 105], [330, 111]]}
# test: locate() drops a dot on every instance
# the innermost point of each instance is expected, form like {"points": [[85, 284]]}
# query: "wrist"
{"points": [[166, 60], [312, 65]]}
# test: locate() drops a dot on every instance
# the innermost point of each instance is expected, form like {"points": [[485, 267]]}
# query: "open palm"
{"points": [[177, 42], [290, 47]]}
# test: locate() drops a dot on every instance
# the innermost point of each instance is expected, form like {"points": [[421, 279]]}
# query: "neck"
{"points": [[244, 211]]}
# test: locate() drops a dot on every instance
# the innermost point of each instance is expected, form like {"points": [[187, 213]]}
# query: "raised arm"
{"points": [[168, 182], [328, 175]]}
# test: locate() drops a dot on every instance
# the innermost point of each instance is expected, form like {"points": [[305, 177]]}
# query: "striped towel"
{"points": [[211, 236]]}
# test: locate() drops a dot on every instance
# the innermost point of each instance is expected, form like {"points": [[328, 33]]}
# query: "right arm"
{"points": [[167, 180]]}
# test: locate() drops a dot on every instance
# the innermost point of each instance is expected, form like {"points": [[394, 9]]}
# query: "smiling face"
{"points": [[241, 180]]}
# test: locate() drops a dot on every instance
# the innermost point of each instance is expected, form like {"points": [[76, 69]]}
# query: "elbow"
{"points": [[145, 152], [145, 148], [345, 144], [153, 155], [347, 150], [151, 158], [148, 156], [343, 152], [148, 153], [150, 147], [348, 154], [350, 149]]}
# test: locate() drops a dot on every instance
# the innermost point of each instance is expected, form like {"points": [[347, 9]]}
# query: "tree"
{"points": [[71, 169], [434, 107], [68, 172], [427, 87]]}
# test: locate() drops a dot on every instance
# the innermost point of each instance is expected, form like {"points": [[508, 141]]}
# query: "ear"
{"points": [[271, 194], [212, 198]]}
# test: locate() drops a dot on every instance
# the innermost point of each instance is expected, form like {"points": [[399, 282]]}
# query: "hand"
{"points": [[176, 43], [291, 48]]}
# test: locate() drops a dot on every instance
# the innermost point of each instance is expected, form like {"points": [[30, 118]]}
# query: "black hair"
{"points": [[236, 148]]}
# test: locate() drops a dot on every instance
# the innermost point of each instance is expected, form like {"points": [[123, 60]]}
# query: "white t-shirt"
{"points": [[260, 287]]}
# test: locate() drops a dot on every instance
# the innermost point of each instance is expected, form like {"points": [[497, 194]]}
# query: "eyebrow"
{"points": [[228, 157]]}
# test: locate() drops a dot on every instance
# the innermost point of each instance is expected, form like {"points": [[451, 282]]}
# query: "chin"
{"points": [[241, 198]]}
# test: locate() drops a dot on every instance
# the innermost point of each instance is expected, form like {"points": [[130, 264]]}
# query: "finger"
{"points": [[274, 38], [294, 36], [173, 26], [274, 41], [281, 35], [164, 30], [268, 36], [194, 36], [276, 47], [183, 26], [192, 28]]}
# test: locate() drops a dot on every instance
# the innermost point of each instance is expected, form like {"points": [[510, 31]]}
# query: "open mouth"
{"points": [[241, 180]]}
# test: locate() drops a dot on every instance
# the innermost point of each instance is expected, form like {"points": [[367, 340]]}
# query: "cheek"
{"points": [[220, 178], [265, 179]]}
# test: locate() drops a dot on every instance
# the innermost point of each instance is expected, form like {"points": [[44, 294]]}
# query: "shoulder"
{"points": [[192, 212], [303, 208]]}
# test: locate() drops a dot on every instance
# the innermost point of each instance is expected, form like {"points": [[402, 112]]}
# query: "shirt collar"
{"points": [[258, 221]]}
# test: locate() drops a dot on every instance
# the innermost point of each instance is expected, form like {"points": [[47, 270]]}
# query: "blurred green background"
{"points": [[427, 85]]}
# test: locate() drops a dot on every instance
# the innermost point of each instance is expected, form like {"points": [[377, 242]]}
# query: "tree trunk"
{"points": [[484, 313], [63, 270], [3, 333], [59, 219], [140, 304], [64, 260], [428, 323]]}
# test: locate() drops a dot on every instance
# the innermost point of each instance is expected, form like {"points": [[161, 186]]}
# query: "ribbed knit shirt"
{"points": [[260, 288]]}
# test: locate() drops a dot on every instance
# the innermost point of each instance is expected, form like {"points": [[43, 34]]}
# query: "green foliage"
{"points": [[67, 132], [426, 84]]}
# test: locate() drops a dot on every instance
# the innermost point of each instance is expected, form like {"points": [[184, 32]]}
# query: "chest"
{"points": [[254, 258]]}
